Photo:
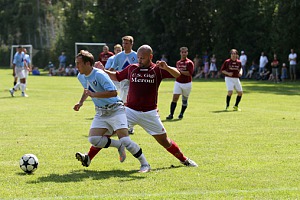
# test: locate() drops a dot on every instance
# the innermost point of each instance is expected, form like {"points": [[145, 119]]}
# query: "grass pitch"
{"points": [[253, 154]]}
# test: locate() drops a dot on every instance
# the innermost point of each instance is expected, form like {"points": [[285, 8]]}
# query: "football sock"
{"points": [[228, 100], [23, 87], [172, 107], [183, 109], [238, 99], [174, 149], [15, 83], [93, 152], [134, 149]]}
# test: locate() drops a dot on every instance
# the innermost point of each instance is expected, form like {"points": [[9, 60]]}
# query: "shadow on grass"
{"points": [[171, 120], [286, 88], [80, 175]]}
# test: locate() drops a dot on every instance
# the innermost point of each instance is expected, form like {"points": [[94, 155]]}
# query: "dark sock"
{"points": [[238, 99], [15, 83], [228, 100], [172, 108], [183, 109]]}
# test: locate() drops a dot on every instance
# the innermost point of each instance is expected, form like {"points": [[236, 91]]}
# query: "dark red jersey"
{"points": [[103, 57], [185, 65], [232, 66], [143, 85]]}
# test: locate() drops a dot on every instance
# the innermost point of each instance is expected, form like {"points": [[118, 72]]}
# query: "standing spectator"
{"points": [[243, 59], [232, 69], [145, 78], [19, 71], [205, 62], [62, 59], [283, 72], [110, 113], [275, 65], [262, 62], [104, 55], [183, 83], [293, 62], [213, 66]]}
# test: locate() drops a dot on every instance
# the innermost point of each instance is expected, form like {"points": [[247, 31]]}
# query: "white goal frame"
{"points": [[24, 46], [86, 43]]}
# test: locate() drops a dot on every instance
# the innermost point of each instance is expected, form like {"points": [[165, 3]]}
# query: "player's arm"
{"points": [[224, 71], [105, 94], [80, 103], [172, 70], [111, 74], [241, 72]]}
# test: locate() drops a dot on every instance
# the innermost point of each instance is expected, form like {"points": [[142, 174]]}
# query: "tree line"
{"points": [[216, 26]]}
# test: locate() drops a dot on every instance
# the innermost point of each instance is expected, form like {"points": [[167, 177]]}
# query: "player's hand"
{"points": [[229, 73], [162, 64], [77, 106], [99, 65]]}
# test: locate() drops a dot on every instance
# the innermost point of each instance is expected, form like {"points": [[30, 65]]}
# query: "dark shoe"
{"points": [[169, 117], [180, 116]]}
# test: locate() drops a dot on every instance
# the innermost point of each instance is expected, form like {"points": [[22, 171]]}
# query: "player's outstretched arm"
{"points": [[172, 70]]}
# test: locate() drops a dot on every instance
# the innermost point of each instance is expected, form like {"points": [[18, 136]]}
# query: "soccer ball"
{"points": [[29, 163]]}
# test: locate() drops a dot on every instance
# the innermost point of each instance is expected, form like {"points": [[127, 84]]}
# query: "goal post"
{"points": [[13, 51], [93, 48]]}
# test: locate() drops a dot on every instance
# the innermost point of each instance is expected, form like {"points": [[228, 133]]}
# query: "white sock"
{"points": [[23, 87], [134, 149], [16, 87]]}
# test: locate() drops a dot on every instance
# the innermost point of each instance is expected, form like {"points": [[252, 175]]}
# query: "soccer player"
{"points": [[183, 83], [232, 69], [141, 108], [110, 113], [19, 71], [105, 55]]}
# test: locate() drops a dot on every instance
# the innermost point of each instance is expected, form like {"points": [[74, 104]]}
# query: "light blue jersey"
{"points": [[19, 59], [122, 60], [99, 81], [109, 62]]}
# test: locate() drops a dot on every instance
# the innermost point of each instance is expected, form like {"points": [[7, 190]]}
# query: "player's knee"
{"points": [[184, 101], [132, 147], [99, 141]]}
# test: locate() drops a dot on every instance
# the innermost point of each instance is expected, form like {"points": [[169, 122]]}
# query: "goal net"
{"points": [[93, 48], [14, 50]]}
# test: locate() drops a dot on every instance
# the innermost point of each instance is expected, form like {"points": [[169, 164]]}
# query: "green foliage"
{"points": [[253, 154], [166, 25]]}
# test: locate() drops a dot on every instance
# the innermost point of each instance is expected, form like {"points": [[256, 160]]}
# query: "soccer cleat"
{"points": [[122, 153], [189, 163], [24, 94], [169, 117], [130, 131], [12, 92], [226, 109], [83, 158], [145, 169], [235, 108], [180, 116]]}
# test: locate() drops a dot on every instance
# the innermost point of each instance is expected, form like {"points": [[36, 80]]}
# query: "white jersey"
{"points": [[292, 56]]}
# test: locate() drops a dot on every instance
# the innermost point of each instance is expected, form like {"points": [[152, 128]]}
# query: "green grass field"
{"points": [[253, 154]]}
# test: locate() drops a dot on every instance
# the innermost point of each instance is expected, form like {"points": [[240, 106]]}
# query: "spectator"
{"points": [[274, 65], [104, 55], [243, 59], [283, 72], [36, 71], [62, 60], [213, 66], [293, 62], [262, 62]]}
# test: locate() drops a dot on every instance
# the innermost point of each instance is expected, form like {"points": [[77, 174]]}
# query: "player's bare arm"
{"points": [[227, 73], [241, 72], [186, 73], [105, 94], [80, 103], [172, 70]]}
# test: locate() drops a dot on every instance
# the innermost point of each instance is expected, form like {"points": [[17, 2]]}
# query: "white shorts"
{"points": [[182, 88], [20, 72], [233, 83], [122, 88], [111, 120], [149, 121]]}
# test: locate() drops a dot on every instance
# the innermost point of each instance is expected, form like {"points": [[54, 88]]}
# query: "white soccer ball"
{"points": [[29, 163]]}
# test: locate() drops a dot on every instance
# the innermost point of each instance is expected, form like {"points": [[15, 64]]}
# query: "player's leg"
{"points": [[120, 126], [186, 90], [152, 124], [230, 87], [176, 94], [239, 90]]}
